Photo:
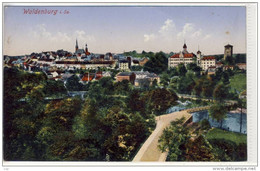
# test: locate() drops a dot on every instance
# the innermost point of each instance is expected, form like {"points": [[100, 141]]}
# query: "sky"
{"points": [[125, 28]]}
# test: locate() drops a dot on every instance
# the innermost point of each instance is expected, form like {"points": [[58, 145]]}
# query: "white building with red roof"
{"points": [[207, 61], [183, 57]]}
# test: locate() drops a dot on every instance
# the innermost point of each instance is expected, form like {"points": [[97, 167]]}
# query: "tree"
{"points": [[181, 69], [73, 84], [122, 87], [164, 80], [241, 103], [230, 60], [186, 84], [207, 87], [220, 92], [197, 89], [157, 64], [23, 107], [173, 140], [199, 150], [159, 100], [135, 102], [172, 72], [218, 111], [136, 68], [53, 87], [225, 78]]}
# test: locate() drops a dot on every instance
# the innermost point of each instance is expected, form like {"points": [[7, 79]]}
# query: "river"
{"points": [[230, 123]]}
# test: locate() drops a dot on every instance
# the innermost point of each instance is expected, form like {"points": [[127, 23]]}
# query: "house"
{"points": [[124, 65], [241, 66], [211, 70], [54, 74], [107, 74], [135, 62], [130, 76], [219, 64], [208, 61], [143, 61], [143, 78], [98, 75], [87, 77], [65, 77], [231, 67]]}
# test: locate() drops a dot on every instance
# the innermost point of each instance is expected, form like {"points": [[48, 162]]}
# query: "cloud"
{"points": [[168, 25], [83, 37], [207, 37], [47, 39], [149, 37], [197, 33], [165, 32], [41, 32], [186, 31]]}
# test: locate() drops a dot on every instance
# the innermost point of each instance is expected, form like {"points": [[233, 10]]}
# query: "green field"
{"points": [[216, 133], [238, 82]]}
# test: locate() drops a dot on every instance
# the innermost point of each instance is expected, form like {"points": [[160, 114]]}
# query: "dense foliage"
{"points": [[185, 144], [157, 63], [41, 123]]}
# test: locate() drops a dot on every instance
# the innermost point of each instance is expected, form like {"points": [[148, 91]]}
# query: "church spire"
{"points": [[199, 52], [76, 47]]}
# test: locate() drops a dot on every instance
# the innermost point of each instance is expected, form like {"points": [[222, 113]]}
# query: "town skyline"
{"points": [[122, 29]]}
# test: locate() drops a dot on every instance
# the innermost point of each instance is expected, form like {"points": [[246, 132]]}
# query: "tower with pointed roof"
{"points": [[185, 48], [198, 56]]}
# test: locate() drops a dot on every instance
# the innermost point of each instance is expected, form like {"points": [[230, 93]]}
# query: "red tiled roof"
{"points": [[87, 78], [208, 58], [98, 75], [186, 55]]}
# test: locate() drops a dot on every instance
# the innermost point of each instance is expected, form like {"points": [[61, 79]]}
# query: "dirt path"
{"points": [[149, 151]]}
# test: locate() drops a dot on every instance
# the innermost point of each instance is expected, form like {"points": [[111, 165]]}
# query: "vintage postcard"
{"points": [[129, 84]]}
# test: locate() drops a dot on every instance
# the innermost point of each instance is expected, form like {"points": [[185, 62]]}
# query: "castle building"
{"points": [[228, 51], [183, 57]]}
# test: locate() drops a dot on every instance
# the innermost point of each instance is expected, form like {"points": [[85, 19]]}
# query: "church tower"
{"points": [[184, 48], [76, 47], [198, 57], [86, 50]]}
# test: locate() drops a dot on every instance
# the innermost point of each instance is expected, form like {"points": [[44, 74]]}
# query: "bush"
{"points": [[228, 151], [205, 125]]}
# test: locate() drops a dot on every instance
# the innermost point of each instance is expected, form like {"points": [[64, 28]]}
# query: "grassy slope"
{"points": [[238, 82], [221, 134]]}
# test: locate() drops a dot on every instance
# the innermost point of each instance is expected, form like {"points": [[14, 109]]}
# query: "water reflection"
{"points": [[230, 123]]}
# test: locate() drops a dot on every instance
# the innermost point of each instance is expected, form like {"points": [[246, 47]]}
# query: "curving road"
{"points": [[149, 150]]}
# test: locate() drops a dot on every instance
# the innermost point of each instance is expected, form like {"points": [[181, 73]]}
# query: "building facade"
{"points": [[183, 57], [207, 61]]}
